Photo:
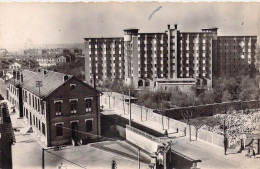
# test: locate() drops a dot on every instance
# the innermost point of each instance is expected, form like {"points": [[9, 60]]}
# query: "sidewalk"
{"points": [[212, 156]]}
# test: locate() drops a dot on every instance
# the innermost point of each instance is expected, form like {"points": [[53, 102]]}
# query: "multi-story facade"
{"points": [[258, 59], [58, 107], [15, 66], [46, 61], [105, 58], [62, 59], [236, 54], [156, 59]]}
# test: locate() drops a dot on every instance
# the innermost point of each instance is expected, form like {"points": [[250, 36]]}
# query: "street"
{"points": [[27, 152]]}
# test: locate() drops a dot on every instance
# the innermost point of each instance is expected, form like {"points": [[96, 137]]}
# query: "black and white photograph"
{"points": [[130, 85]]}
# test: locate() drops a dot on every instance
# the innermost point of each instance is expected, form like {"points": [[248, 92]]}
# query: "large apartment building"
{"points": [[236, 54], [160, 60], [59, 108]]}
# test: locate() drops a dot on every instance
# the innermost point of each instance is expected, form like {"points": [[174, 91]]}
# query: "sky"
{"points": [[59, 23]]}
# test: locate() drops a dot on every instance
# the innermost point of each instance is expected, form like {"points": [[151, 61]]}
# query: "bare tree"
{"points": [[187, 117]]}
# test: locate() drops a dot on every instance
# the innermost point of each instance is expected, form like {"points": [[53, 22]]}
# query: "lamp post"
{"points": [[138, 158], [123, 97], [130, 118], [161, 112], [43, 158]]}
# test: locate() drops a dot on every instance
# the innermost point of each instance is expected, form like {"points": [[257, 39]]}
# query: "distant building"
{"points": [[10, 65], [46, 61], [59, 108], [147, 59], [258, 59], [62, 59], [7, 137], [3, 52], [33, 52], [15, 66]]}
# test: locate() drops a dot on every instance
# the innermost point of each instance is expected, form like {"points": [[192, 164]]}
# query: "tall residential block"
{"points": [[160, 60], [236, 55]]}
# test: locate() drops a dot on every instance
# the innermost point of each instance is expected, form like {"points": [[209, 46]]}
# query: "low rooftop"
{"points": [[50, 81]]}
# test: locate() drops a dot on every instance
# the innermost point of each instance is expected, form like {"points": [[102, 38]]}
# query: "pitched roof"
{"points": [[6, 129], [50, 81]]}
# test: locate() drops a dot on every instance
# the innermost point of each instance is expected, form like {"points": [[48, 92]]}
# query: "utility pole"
{"points": [[130, 123], [138, 158], [42, 158], [225, 138], [124, 102], [161, 112]]}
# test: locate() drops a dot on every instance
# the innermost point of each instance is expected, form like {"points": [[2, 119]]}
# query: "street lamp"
{"points": [[130, 123]]}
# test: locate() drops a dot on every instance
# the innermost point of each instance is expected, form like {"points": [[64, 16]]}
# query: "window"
{"points": [[39, 125], [59, 129], [33, 100], [43, 128], [58, 108], [36, 122], [89, 127], [88, 105], [72, 86], [38, 101], [73, 106]]}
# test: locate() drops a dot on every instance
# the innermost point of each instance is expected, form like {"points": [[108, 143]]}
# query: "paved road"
{"points": [[27, 153]]}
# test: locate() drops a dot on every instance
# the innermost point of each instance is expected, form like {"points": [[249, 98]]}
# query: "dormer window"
{"points": [[72, 86]]}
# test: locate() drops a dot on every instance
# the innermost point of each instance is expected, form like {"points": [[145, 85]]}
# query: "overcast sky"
{"points": [[52, 23]]}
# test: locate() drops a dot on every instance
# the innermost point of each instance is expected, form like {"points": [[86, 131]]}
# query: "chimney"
{"points": [[169, 26], [65, 78], [14, 74], [18, 75], [21, 77], [175, 26]]}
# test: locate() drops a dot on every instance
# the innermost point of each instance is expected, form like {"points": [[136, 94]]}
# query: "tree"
{"points": [[207, 97], [197, 124], [226, 97]]}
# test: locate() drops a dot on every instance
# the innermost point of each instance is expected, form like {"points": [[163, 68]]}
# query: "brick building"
{"points": [[59, 108], [46, 61], [171, 57]]}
